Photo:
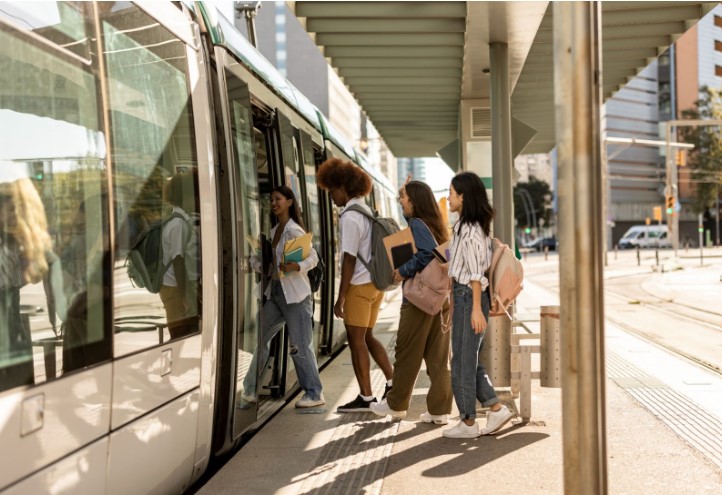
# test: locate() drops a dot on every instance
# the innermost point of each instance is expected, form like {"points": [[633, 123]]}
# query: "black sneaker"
{"points": [[387, 389], [357, 405]]}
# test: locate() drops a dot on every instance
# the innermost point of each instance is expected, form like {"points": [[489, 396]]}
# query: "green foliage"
{"points": [[705, 160], [541, 197]]}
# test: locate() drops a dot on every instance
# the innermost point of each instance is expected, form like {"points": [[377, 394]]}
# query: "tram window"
{"points": [[53, 212], [155, 183]]}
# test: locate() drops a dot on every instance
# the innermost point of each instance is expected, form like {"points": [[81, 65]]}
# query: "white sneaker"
{"points": [[382, 409], [437, 419], [307, 401], [462, 430], [496, 419]]}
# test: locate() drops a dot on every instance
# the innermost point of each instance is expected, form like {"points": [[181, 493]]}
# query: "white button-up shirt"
{"points": [[295, 285], [355, 232]]}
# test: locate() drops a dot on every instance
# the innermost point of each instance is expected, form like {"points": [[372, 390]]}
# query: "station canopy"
{"points": [[409, 64]]}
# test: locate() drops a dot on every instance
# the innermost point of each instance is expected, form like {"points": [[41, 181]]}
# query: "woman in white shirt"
{"points": [[470, 259], [358, 300], [288, 302]]}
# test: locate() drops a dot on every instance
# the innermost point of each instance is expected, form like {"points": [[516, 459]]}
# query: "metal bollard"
{"points": [[546, 253], [495, 351], [639, 260], [550, 372], [656, 256]]}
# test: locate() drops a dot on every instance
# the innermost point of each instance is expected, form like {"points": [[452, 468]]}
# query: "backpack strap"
{"points": [[496, 255], [427, 228]]}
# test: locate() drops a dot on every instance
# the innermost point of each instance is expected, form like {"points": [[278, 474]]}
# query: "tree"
{"points": [[541, 196], [705, 160]]}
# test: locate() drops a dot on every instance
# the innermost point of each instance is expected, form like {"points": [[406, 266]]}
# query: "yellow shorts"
{"points": [[362, 305]]}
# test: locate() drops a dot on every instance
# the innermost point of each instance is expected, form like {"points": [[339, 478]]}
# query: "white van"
{"points": [[645, 236]]}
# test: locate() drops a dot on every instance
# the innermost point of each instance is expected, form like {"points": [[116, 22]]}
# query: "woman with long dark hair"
{"points": [[420, 335], [470, 259], [288, 302]]}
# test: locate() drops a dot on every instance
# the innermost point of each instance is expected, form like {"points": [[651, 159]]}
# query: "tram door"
{"points": [[243, 282], [313, 218]]}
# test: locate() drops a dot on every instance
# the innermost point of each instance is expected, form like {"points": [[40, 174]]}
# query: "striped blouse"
{"points": [[470, 255]]}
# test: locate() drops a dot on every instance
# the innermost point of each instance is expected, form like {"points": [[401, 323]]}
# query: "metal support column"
{"points": [[501, 154], [500, 328], [577, 100]]}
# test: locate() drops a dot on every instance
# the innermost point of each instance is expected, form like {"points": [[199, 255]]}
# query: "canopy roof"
{"points": [[409, 64]]}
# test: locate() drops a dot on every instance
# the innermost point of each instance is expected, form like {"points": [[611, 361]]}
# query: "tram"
{"points": [[113, 115]]}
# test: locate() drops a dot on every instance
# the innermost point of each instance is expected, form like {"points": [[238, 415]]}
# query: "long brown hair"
{"points": [[426, 209], [294, 211]]}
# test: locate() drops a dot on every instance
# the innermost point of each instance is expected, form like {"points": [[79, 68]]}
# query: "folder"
{"points": [[442, 252], [295, 256], [400, 247], [297, 250]]}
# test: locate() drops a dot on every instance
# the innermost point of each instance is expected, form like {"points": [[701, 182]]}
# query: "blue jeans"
{"points": [[299, 319], [469, 380]]}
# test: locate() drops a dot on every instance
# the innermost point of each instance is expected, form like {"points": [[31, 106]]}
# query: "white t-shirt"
{"points": [[355, 232], [177, 243]]}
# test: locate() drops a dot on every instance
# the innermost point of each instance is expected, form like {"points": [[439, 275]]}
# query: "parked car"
{"points": [[540, 243]]}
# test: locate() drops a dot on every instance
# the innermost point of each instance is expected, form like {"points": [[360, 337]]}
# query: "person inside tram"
{"points": [[420, 335], [288, 301], [358, 300], [470, 258], [179, 292], [26, 257]]}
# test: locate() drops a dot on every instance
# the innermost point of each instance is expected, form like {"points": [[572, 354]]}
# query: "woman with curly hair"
{"points": [[358, 300]]}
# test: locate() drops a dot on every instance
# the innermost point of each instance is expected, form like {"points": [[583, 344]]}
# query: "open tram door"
{"points": [[244, 182]]}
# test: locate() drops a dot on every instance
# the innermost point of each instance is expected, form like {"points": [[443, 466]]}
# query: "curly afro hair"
{"points": [[335, 173]]}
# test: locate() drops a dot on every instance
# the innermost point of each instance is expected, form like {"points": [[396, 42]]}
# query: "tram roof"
{"points": [[409, 64], [224, 33]]}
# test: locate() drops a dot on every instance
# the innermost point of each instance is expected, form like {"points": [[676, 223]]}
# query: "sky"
{"points": [[438, 176]]}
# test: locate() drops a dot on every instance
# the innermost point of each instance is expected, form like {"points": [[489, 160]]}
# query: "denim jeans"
{"points": [[299, 320], [469, 380]]}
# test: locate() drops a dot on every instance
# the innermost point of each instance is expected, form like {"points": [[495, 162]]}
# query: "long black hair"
{"points": [[476, 207], [294, 211], [426, 208]]}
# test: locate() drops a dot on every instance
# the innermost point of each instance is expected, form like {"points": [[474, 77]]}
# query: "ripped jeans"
{"points": [[299, 319]]}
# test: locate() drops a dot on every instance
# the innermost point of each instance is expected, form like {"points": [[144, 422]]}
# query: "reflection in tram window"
{"points": [[52, 158], [154, 181]]}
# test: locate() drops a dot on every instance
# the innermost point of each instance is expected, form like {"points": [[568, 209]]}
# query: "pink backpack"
{"points": [[506, 278]]}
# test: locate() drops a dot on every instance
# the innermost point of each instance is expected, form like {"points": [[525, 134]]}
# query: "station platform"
{"points": [[664, 431]]}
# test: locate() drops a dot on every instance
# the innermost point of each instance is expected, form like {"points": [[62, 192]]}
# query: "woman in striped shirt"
{"points": [[470, 259]]}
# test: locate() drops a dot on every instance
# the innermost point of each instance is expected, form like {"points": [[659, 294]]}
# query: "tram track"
{"points": [[685, 330]]}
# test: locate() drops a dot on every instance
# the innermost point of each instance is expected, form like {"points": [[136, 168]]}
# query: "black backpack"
{"points": [[315, 275], [145, 258]]}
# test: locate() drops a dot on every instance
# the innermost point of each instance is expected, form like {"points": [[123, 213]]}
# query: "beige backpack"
{"points": [[506, 278]]}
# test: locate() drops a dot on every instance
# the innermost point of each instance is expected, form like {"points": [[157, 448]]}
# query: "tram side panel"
{"points": [[154, 178], [55, 340]]}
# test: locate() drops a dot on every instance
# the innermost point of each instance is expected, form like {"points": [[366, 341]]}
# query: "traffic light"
{"points": [[527, 230], [670, 205], [657, 210]]}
